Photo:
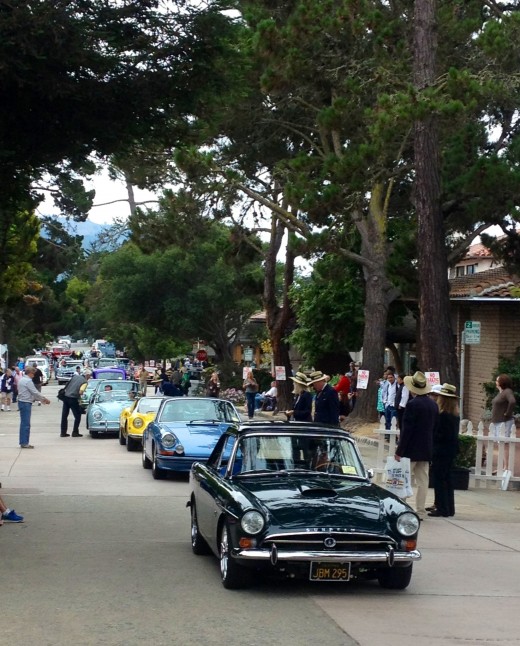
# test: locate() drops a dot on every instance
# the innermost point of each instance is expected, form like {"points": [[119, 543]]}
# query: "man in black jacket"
{"points": [[326, 404], [71, 403], [416, 438]]}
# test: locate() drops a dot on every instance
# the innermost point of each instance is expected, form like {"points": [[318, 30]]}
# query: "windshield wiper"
{"points": [[204, 421], [258, 472]]}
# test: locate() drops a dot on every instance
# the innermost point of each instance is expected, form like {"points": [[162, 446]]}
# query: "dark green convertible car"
{"points": [[294, 499]]}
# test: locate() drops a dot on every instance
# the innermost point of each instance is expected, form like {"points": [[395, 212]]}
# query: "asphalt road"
{"points": [[104, 557]]}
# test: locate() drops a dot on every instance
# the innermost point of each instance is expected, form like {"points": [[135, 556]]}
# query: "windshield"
{"points": [[148, 405], [116, 385], [188, 410], [114, 395], [311, 453]]}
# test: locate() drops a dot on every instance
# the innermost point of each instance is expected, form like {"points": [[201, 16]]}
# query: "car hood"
{"points": [[198, 439], [322, 501], [111, 409]]}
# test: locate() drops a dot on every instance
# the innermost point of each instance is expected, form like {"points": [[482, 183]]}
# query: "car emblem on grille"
{"points": [[329, 542]]}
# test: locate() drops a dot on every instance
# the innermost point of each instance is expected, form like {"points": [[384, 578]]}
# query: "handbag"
{"points": [[398, 478], [61, 394]]}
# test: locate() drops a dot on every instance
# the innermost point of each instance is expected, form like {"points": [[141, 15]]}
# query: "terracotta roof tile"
{"points": [[492, 283], [478, 251]]}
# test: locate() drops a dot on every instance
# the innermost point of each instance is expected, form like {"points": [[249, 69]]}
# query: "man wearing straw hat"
{"points": [[326, 404], [416, 438]]}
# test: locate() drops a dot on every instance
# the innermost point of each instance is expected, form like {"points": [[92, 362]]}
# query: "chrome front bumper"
{"points": [[273, 555]]}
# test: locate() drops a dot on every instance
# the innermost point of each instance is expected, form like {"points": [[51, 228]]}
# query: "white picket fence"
{"points": [[495, 465]]}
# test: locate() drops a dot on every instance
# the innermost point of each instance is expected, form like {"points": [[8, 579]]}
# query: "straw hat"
{"points": [[447, 390], [300, 378], [418, 385], [315, 376]]}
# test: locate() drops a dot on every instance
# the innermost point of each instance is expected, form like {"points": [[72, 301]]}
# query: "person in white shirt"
{"points": [[268, 398], [389, 400], [401, 399]]}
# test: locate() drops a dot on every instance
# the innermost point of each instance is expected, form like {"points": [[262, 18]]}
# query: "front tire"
{"points": [[122, 438], [147, 464], [131, 444], [198, 544], [395, 578], [157, 472], [233, 576]]}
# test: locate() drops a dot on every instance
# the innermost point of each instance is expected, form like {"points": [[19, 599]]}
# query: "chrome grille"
{"points": [[344, 541]]}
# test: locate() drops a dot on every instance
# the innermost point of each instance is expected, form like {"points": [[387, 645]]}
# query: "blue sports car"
{"points": [[184, 431], [106, 404]]}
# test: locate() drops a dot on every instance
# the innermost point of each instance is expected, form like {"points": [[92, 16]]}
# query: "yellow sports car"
{"points": [[134, 419]]}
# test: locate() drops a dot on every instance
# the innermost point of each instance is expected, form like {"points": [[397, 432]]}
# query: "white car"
{"points": [[43, 365]]}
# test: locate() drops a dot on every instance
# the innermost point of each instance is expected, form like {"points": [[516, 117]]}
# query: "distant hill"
{"points": [[88, 229]]}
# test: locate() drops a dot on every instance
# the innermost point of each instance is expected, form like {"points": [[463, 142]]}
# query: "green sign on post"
{"points": [[472, 332]]}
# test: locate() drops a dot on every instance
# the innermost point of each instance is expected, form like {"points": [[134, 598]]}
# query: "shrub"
{"points": [[234, 395], [467, 452]]}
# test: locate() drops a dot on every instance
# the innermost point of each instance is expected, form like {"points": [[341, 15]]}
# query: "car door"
{"points": [[207, 483]]}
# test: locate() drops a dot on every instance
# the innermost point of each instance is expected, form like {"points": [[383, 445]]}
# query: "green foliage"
{"points": [[329, 308], [509, 366], [467, 454], [183, 285], [19, 232], [90, 77]]}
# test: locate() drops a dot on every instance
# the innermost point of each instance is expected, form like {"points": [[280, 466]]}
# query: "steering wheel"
{"points": [[329, 466]]}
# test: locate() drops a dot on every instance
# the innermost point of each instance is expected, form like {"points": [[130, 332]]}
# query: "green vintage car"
{"points": [[295, 500]]}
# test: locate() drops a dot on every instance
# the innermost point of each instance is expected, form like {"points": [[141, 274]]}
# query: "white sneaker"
{"points": [[8, 408]]}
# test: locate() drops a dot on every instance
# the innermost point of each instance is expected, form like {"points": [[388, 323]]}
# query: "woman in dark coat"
{"points": [[302, 407], [445, 449]]}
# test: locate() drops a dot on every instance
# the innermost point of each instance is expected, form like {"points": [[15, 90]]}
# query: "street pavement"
{"points": [[104, 557]]}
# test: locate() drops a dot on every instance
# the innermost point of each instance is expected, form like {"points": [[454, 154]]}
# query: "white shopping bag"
{"points": [[398, 476]]}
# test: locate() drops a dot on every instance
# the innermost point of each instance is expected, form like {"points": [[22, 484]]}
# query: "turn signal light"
{"points": [[409, 546], [247, 542]]}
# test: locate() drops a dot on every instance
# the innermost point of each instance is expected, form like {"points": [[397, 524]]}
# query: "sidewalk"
{"points": [[474, 504]]}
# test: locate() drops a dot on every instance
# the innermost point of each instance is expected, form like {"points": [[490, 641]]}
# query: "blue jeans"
{"points": [[250, 400], [390, 412], [25, 409]]}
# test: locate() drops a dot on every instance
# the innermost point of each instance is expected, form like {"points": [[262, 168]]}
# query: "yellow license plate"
{"points": [[329, 571]]}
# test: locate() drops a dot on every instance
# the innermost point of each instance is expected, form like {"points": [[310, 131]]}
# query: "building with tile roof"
{"points": [[492, 298]]}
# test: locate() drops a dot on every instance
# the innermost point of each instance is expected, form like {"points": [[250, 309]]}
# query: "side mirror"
{"points": [[370, 473]]}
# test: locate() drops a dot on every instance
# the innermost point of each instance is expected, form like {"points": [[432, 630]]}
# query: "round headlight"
{"points": [[407, 524], [168, 440], [252, 522], [97, 415], [138, 422]]}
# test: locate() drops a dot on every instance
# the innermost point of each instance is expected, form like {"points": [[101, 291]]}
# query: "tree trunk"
{"points": [[376, 312], [437, 342], [379, 293], [279, 318]]}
